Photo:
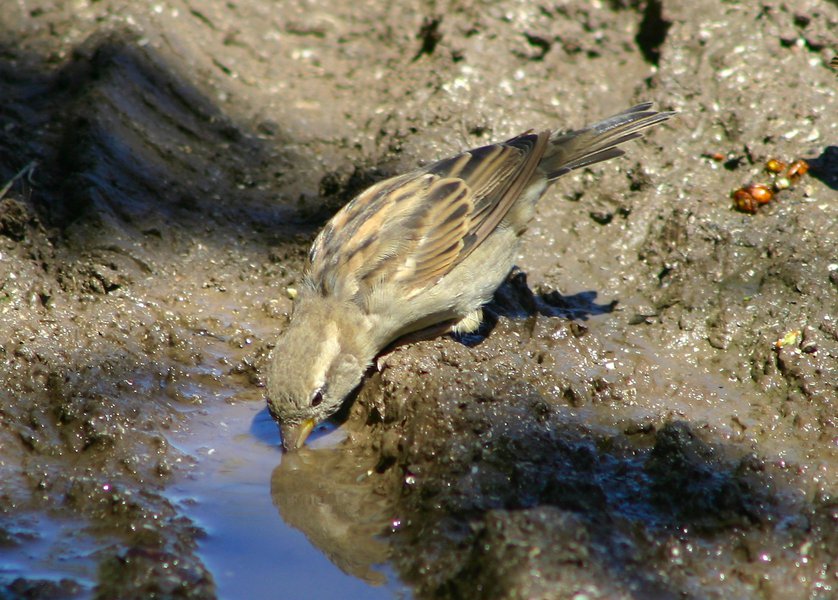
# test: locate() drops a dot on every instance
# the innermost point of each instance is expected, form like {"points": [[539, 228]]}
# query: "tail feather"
{"points": [[598, 142]]}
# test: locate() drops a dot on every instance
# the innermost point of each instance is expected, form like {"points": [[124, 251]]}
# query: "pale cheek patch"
{"points": [[326, 354]]}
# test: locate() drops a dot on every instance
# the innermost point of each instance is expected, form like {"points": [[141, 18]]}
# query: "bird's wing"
{"points": [[413, 229]]}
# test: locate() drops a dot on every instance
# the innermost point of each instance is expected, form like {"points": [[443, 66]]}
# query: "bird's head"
{"points": [[313, 368]]}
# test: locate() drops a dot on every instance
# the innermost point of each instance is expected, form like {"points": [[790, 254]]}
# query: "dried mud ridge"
{"points": [[645, 438]]}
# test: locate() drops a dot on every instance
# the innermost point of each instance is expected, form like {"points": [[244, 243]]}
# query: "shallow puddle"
{"points": [[48, 549], [250, 550]]}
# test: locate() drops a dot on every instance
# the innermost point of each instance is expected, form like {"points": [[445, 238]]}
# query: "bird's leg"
{"points": [[470, 323]]}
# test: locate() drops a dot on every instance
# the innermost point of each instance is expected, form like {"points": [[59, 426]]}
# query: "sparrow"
{"points": [[418, 255]]}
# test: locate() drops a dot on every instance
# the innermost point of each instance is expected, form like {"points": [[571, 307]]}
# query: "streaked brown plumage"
{"points": [[420, 252]]}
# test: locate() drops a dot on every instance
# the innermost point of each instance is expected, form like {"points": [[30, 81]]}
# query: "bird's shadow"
{"points": [[514, 299]]}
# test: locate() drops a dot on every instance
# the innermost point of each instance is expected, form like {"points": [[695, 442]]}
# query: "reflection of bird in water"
{"points": [[328, 496]]}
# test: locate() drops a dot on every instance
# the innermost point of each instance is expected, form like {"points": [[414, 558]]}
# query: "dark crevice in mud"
{"points": [[652, 32], [429, 35], [541, 45]]}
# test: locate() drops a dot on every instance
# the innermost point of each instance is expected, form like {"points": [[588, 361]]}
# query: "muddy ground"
{"points": [[625, 426]]}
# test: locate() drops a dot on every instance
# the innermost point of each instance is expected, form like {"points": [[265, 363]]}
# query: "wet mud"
{"points": [[648, 411]]}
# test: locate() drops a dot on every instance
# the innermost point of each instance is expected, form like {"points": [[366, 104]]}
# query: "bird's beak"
{"points": [[294, 436]]}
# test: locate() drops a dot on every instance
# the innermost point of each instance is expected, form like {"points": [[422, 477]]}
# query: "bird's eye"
{"points": [[317, 397]]}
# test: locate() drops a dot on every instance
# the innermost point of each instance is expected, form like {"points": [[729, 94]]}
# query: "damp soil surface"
{"points": [[648, 411]]}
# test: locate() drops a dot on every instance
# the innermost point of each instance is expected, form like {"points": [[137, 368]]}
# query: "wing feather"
{"points": [[415, 228]]}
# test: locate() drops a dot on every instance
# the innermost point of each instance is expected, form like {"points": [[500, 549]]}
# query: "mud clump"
{"points": [[512, 494]]}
